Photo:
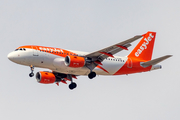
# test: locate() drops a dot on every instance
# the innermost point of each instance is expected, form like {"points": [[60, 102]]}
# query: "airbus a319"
{"points": [[68, 64]]}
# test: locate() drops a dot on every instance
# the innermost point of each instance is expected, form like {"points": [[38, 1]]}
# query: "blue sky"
{"points": [[89, 26]]}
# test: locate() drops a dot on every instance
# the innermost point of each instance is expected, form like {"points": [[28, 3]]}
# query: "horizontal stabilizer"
{"points": [[155, 61]]}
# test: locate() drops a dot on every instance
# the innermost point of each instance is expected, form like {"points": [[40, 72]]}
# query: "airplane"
{"points": [[68, 64]]}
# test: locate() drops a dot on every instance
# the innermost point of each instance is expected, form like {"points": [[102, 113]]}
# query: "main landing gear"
{"points": [[32, 69], [73, 84], [92, 75]]}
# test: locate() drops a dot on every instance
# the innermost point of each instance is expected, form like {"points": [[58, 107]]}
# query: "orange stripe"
{"points": [[102, 68], [51, 50], [98, 62], [136, 68]]}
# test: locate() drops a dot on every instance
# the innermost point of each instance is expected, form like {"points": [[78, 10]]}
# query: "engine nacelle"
{"points": [[74, 61], [45, 77]]}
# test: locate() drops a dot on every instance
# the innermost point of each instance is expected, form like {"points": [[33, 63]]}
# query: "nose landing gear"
{"points": [[32, 69]]}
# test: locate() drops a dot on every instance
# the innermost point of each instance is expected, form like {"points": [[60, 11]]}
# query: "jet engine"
{"points": [[45, 77], [74, 61], [49, 77]]}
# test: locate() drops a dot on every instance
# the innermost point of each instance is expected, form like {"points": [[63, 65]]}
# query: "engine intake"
{"points": [[49, 77], [45, 77], [74, 61]]}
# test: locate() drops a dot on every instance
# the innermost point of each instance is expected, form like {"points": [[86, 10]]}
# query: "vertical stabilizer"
{"points": [[144, 49]]}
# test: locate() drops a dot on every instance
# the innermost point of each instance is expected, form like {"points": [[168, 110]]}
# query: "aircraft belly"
{"points": [[74, 71]]}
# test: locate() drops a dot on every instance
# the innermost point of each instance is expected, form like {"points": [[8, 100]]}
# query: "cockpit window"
{"points": [[22, 49]]}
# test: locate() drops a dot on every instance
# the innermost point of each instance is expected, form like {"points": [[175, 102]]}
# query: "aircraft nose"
{"points": [[10, 56]]}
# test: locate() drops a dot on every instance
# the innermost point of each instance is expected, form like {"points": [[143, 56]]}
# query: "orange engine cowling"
{"points": [[74, 61], [45, 77]]}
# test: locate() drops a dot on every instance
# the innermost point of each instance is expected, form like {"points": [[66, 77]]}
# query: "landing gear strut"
{"points": [[73, 84], [92, 74], [32, 69]]}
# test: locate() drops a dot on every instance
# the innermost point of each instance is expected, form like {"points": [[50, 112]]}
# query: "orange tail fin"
{"points": [[144, 49]]}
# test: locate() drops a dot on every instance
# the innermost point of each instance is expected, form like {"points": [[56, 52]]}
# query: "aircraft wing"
{"points": [[102, 54], [98, 56]]}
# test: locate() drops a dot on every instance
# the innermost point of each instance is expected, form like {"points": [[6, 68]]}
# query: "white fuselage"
{"points": [[56, 63]]}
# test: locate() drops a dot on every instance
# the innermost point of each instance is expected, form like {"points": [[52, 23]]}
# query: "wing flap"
{"points": [[102, 54]]}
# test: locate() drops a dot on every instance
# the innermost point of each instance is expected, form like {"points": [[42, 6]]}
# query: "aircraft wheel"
{"points": [[72, 85], [31, 74], [92, 75]]}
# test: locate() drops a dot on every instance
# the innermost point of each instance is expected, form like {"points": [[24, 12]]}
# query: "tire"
{"points": [[92, 75], [72, 86], [31, 74]]}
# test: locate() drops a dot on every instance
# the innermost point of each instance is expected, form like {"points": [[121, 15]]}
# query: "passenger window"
{"points": [[20, 48]]}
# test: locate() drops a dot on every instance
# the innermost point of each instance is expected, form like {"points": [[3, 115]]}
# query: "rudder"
{"points": [[144, 49]]}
